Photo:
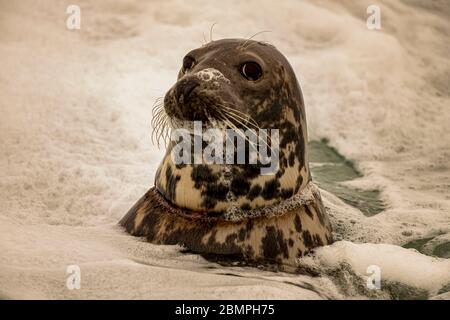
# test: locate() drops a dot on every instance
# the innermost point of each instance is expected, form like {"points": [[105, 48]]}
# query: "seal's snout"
{"points": [[184, 89], [197, 95], [186, 94], [182, 99]]}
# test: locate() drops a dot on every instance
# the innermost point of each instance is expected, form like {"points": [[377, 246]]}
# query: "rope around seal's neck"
{"points": [[304, 197], [236, 214]]}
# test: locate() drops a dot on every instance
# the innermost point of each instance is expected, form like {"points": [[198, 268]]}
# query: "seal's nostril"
{"points": [[185, 89]]}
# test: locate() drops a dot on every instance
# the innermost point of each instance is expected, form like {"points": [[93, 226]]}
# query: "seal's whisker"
{"points": [[241, 115], [211, 32], [155, 126], [246, 119], [161, 114], [228, 123], [235, 111], [241, 134], [157, 116], [225, 119], [266, 144], [257, 127], [251, 44], [239, 120], [156, 132], [258, 42], [155, 110], [157, 123], [162, 132], [160, 125], [159, 99], [242, 46], [166, 132], [157, 106]]}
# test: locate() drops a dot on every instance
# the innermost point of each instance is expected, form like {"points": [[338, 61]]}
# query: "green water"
{"points": [[441, 250], [329, 169], [417, 244]]}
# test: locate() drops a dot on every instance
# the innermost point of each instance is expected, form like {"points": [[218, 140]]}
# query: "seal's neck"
{"points": [[217, 188]]}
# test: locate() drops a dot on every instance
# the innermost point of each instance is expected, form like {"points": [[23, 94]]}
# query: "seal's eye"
{"points": [[251, 71], [188, 63]]}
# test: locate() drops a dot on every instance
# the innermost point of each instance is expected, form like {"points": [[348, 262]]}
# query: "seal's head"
{"points": [[244, 84]]}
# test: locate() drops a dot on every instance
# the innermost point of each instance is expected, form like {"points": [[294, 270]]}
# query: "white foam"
{"points": [[399, 265]]}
